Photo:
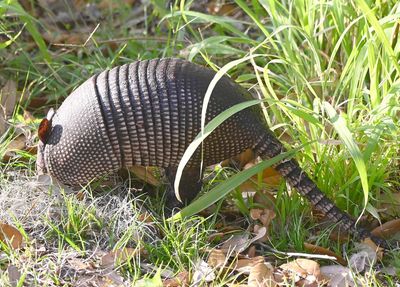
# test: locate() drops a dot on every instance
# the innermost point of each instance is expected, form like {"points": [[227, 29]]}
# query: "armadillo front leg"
{"points": [[270, 147], [189, 186]]}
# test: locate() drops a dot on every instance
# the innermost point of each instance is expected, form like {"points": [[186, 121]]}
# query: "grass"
{"points": [[327, 73]]}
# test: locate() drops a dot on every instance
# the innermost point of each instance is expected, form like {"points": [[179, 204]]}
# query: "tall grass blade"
{"points": [[227, 186], [344, 133]]}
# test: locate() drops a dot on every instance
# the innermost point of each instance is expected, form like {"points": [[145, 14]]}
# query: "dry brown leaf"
{"points": [[145, 217], [240, 160], [366, 256], [37, 102], [321, 250], [338, 276], [251, 253], [372, 249], [258, 229], [267, 217], [239, 242], [181, 280], [387, 229], [10, 236], [65, 38], [119, 256], [264, 215], [261, 276], [146, 174], [270, 178], [221, 9], [217, 258], [255, 213], [305, 270], [17, 144], [78, 264], [244, 265]]}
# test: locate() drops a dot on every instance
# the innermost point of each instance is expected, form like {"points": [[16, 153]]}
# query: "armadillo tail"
{"points": [[298, 179]]}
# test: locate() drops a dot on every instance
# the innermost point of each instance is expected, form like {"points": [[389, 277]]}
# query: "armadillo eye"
{"points": [[44, 129]]}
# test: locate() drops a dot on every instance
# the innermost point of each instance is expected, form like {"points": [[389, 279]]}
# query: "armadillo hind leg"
{"points": [[298, 179], [189, 186]]}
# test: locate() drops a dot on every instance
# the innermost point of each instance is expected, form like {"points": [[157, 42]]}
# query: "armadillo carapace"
{"points": [[147, 113]]}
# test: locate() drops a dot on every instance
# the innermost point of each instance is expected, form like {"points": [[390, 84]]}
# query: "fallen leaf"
{"points": [[365, 257], [305, 270], [221, 9], [270, 178], [146, 174], [145, 217], [65, 38], [78, 264], [368, 245], [240, 160], [119, 256], [258, 229], [387, 229], [251, 252], [267, 216], [245, 265], [10, 236], [239, 242], [181, 280], [314, 249], [217, 258], [203, 274], [261, 276], [338, 276], [236, 243], [17, 144]]}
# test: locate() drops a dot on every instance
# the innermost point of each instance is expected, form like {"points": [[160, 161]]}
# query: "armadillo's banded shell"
{"points": [[145, 113]]}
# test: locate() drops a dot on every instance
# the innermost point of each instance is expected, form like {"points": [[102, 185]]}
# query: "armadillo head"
{"points": [[74, 147], [43, 133]]}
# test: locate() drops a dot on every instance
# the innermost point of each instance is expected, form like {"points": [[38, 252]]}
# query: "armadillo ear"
{"points": [[44, 129], [45, 126]]}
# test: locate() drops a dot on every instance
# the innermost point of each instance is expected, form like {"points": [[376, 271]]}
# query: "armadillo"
{"points": [[147, 113]]}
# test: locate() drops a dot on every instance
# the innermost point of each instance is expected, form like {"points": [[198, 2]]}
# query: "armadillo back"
{"points": [[145, 113]]}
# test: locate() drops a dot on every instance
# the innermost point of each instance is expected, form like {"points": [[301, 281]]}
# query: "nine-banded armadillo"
{"points": [[147, 113]]}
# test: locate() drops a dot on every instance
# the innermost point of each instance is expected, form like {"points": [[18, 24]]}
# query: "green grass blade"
{"points": [[344, 133], [30, 26], [223, 21], [369, 14], [227, 186]]}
